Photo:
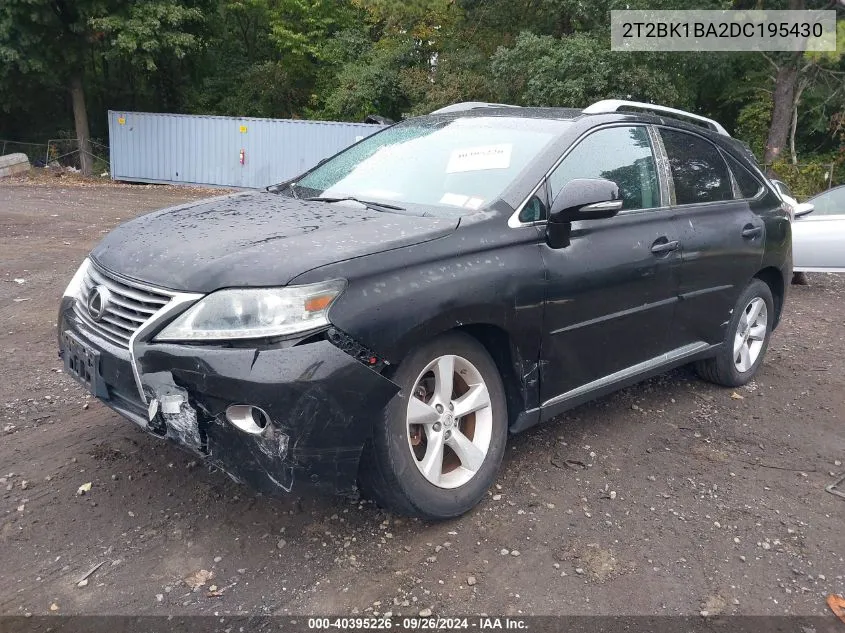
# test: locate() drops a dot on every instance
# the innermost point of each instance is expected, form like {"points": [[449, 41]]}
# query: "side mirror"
{"points": [[586, 199], [804, 208]]}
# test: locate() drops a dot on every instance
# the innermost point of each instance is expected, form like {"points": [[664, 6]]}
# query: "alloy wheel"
{"points": [[449, 421], [750, 334]]}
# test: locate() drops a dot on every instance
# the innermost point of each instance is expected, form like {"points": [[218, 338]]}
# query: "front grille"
{"points": [[129, 306]]}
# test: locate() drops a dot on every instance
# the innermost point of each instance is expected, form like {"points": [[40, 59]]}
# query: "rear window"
{"points": [[699, 172], [749, 186]]}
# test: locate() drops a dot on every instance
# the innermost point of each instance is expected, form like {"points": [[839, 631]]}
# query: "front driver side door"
{"points": [[818, 239], [610, 293]]}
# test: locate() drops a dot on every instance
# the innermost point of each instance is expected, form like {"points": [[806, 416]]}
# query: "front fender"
{"points": [[483, 274]]}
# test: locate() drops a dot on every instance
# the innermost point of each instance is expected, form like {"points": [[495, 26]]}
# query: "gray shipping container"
{"points": [[217, 150]]}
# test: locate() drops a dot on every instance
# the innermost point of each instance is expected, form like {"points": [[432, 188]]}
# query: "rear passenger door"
{"points": [[722, 239], [611, 291]]}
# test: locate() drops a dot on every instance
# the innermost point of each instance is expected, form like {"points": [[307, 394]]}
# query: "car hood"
{"points": [[254, 239]]}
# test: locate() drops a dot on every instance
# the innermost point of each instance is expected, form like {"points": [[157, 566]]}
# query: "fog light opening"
{"points": [[260, 418], [247, 418]]}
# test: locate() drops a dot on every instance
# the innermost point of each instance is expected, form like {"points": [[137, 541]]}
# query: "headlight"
{"points": [[74, 288], [255, 313]]}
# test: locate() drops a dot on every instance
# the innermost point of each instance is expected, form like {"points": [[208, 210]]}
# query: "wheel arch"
{"points": [[502, 350], [773, 278], [517, 367]]}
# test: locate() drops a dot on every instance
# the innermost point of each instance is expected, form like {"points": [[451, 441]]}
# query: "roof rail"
{"points": [[614, 105], [471, 105]]}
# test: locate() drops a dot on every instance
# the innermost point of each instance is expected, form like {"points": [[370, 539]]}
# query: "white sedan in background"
{"points": [[818, 236]]}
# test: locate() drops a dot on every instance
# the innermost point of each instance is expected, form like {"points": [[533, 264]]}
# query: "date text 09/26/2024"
{"points": [[414, 623]]}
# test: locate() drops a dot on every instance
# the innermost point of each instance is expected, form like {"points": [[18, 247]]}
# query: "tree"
{"points": [[47, 41], [793, 74], [577, 70], [50, 42], [343, 59]]}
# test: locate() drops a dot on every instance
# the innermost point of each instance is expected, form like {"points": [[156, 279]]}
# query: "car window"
{"points": [[831, 202], [620, 154], [698, 169], [458, 164], [748, 185], [533, 211]]}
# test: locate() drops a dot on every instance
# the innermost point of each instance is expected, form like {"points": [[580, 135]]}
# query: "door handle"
{"points": [[750, 232], [660, 247]]}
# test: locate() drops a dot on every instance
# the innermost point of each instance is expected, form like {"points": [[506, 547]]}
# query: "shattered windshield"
{"points": [[453, 165]]}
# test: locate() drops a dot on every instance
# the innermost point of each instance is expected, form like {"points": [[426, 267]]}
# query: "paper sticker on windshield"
{"points": [[474, 203], [480, 158], [454, 199]]}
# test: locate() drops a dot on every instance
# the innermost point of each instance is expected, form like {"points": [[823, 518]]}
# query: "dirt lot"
{"points": [[671, 497]]}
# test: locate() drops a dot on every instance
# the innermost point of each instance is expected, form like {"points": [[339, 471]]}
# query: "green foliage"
{"points": [[38, 36], [576, 70], [752, 124], [372, 85], [808, 179], [345, 59], [146, 31]]}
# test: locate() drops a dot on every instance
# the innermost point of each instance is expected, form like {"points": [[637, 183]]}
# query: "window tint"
{"points": [[698, 170], [749, 186], [831, 202], [620, 154], [533, 211]]}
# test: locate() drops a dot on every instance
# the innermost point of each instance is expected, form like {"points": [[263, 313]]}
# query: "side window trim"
{"points": [[674, 202], [664, 170], [761, 188], [514, 221]]}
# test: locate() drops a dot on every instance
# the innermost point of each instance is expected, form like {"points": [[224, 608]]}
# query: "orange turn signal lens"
{"points": [[318, 303]]}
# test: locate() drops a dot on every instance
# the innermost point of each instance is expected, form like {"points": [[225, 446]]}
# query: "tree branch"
{"points": [[771, 61]]}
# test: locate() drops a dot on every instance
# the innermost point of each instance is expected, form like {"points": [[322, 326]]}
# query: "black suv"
{"points": [[386, 319]]}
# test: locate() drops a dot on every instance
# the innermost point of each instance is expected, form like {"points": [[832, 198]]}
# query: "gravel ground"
{"points": [[671, 497]]}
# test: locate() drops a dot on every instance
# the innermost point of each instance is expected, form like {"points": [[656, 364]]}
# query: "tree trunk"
{"points": [[793, 130], [784, 97], [784, 102], [80, 118]]}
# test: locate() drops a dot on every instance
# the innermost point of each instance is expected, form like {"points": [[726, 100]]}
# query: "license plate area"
{"points": [[83, 363]]}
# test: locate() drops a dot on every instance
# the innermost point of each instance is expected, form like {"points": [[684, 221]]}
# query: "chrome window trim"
{"points": [[734, 184], [760, 194], [514, 221], [664, 169], [761, 191]]}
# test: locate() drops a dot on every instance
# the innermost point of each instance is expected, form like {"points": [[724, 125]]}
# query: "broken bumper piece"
{"points": [[316, 404]]}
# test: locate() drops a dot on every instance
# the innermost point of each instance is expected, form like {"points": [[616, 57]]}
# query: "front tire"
{"points": [[439, 444], [746, 339]]}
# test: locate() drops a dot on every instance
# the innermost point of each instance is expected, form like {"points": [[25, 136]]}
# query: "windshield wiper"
{"points": [[375, 206]]}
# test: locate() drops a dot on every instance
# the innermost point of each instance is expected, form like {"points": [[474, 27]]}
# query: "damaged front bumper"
{"points": [[320, 402]]}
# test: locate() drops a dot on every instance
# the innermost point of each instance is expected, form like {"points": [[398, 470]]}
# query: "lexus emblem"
{"points": [[98, 302]]}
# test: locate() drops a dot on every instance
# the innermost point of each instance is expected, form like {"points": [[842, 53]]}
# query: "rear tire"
{"points": [[746, 339], [443, 466]]}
